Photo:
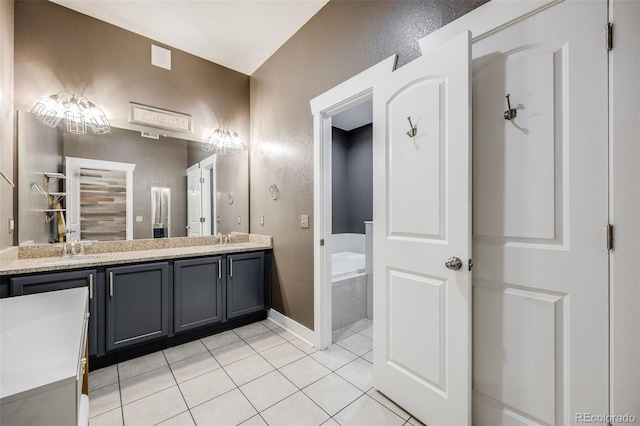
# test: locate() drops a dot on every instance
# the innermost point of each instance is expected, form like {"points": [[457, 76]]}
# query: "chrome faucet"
{"points": [[219, 237]]}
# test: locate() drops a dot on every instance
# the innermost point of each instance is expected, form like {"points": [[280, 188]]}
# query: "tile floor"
{"points": [[258, 374]]}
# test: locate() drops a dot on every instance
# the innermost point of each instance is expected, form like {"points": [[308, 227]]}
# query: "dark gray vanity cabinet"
{"points": [[245, 284], [197, 292], [137, 301], [32, 284]]}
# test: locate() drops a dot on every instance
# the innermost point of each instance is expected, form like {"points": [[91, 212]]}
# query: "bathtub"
{"points": [[346, 264]]}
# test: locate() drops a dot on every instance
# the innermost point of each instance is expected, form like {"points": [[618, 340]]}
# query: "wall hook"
{"points": [[510, 113], [274, 192], [414, 130]]}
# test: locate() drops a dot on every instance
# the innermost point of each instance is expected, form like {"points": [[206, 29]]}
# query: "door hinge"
{"points": [[202, 219], [609, 236], [609, 36], [201, 180], [470, 264]]}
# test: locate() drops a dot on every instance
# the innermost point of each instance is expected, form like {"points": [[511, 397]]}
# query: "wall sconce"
{"points": [[223, 141], [77, 114]]}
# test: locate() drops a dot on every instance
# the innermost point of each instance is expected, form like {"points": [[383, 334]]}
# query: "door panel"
{"points": [[540, 212], [422, 330], [194, 203]]}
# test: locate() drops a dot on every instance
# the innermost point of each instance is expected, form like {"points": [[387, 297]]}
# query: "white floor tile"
{"points": [[415, 422], [331, 422], [103, 377], [145, 384], [341, 333], [359, 373], [281, 355], [248, 369], [233, 352], [334, 357], [296, 410], [206, 387], [268, 390], [388, 403], [187, 350], [366, 412], [286, 335], [194, 367], [361, 325], [271, 325], [231, 408], [182, 419], [251, 330], [332, 393], [154, 408], [367, 332], [143, 364], [219, 340], [368, 357], [305, 371], [357, 344], [104, 399], [110, 418], [303, 346], [255, 421], [265, 341]]}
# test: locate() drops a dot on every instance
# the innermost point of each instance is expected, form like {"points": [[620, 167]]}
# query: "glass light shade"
{"points": [[49, 110], [223, 141], [74, 118]]}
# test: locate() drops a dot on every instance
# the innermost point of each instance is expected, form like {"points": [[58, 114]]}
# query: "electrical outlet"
{"points": [[261, 220], [218, 219], [304, 221]]}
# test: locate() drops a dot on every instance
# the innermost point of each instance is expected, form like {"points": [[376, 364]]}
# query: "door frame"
{"points": [[624, 196], [348, 94]]}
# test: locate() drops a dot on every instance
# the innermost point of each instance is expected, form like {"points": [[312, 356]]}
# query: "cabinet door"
{"points": [[61, 281], [245, 284], [197, 292], [137, 304]]}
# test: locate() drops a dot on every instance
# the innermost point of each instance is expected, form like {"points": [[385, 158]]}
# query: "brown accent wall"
{"points": [[7, 193], [343, 39]]}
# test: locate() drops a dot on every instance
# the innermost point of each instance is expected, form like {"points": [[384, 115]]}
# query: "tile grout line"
{"points": [[178, 386]]}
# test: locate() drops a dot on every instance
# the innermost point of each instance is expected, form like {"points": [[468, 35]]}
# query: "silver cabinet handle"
{"points": [[110, 283], [90, 286], [219, 269], [231, 267]]}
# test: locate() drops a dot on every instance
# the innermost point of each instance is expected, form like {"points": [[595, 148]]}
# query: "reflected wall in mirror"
{"points": [[161, 212], [158, 163]]}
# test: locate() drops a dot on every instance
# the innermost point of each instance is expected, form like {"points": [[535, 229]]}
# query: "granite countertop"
{"points": [[44, 264]]}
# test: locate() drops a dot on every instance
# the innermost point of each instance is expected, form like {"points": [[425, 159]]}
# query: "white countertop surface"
{"points": [[40, 339]]}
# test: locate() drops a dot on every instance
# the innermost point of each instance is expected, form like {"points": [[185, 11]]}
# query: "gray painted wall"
{"points": [[341, 40], [352, 176], [7, 193]]}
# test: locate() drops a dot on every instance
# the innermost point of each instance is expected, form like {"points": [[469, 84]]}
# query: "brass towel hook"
{"points": [[510, 113], [413, 131]]}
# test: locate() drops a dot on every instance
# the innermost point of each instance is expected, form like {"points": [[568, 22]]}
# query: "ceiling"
{"points": [[354, 117], [238, 34]]}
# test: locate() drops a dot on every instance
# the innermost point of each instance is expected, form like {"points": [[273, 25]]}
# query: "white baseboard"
{"points": [[293, 327]]}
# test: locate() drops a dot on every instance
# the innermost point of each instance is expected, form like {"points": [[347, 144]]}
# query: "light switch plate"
{"points": [[304, 221]]}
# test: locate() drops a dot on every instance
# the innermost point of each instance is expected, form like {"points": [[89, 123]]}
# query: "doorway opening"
{"points": [[351, 237]]}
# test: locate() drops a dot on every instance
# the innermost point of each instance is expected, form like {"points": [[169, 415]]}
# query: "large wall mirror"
{"points": [[90, 202]]}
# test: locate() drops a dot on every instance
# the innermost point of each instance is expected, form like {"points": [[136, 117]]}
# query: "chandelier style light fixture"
{"points": [[223, 141], [78, 114]]}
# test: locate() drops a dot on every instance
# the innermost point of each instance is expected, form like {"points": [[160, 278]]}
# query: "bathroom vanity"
{"points": [[43, 359], [144, 300]]}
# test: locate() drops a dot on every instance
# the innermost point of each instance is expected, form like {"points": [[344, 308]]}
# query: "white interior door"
{"points": [[540, 214], [194, 202], [422, 326]]}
